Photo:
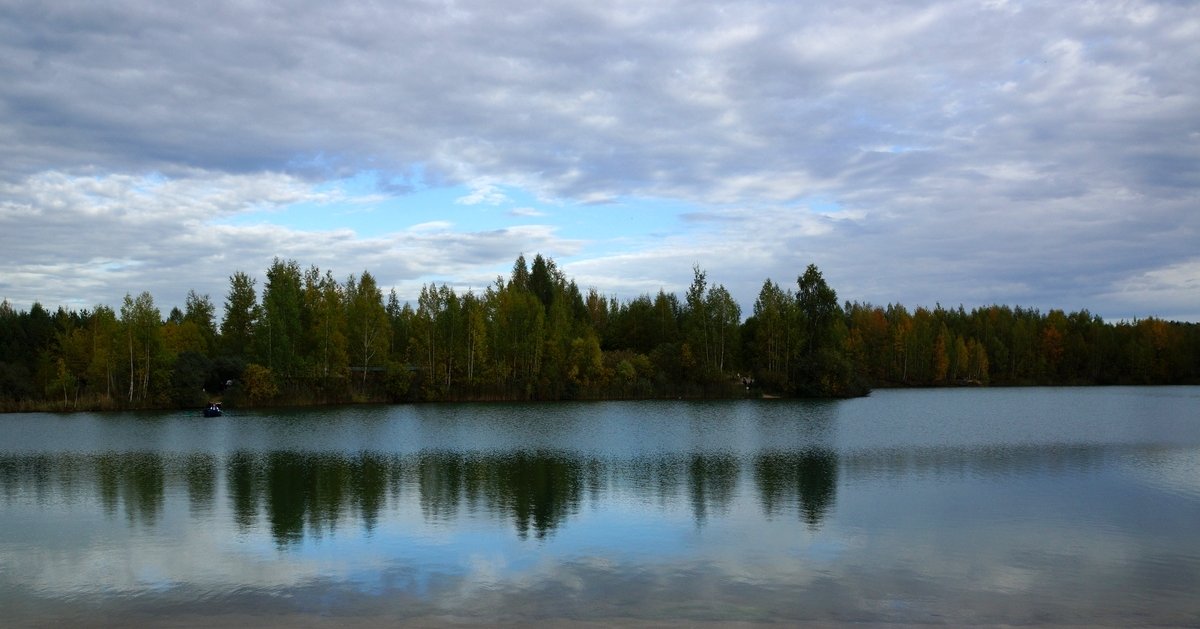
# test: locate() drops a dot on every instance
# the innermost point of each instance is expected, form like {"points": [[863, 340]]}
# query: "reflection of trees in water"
{"points": [[297, 494], [299, 485], [200, 472], [370, 475], [132, 484], [243, 482], [440, 480], [294, 495], [133, 480], [656, 479], [537, 490], [46, 476], [306, 494], [707, 481], [712, 480], [804, 480]]}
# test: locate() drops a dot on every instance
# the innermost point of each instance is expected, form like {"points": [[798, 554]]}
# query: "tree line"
{"points": [[305, 337]]}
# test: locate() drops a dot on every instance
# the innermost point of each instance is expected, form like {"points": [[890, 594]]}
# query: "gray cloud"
{"points": [[80, 241], [1009, 152]]}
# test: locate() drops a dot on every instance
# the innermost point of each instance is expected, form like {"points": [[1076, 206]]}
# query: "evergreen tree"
{"points": [[199, 311], [241, 315], [279, 328]]}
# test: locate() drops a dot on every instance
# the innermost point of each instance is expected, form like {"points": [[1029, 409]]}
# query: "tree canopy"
{"points": [[309, 338]]}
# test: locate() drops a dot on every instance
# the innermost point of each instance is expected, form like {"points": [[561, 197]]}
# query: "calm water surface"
{"points": [[954, 507]]}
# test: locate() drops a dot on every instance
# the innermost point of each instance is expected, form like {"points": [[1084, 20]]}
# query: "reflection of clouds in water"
{"points": [[487, 570], [272, 520], [1003, 534], [198, 557], [1048, 535], [954, 576]]}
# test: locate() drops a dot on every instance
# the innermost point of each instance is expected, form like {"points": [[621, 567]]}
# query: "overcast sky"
{"points": [[1043, 154]]}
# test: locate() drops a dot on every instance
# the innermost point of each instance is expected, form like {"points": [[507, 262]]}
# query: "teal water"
{"points": [[952, 507]]}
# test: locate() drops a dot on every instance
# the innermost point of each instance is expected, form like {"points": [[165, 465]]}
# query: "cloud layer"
{"points": [[985, 152]]}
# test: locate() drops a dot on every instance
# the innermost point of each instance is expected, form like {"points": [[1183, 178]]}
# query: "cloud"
{"points": [[587, 100], [483, 194], [1004, 151], [1176, 286], [83, 241]]}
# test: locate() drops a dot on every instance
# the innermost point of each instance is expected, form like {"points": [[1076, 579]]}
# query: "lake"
{"points": [[1040, 506]]}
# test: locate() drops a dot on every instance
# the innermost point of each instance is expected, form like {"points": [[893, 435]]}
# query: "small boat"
{"points": [[213, 410]]}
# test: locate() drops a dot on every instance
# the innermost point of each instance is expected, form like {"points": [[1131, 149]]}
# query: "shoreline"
{"points": [[759, 395]]}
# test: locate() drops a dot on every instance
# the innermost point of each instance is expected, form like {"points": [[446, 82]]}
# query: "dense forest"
{"points": [[307, 338]]}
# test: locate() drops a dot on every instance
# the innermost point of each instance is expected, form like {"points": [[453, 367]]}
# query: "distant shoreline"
{"points": [[101, 408]]}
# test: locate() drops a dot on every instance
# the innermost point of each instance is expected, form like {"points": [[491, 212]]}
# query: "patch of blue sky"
{"points": [[363, 205], [150, 182], [367, 205], [600, 226], [113, 265], [627, 223], [903, 148], [821, 205]]}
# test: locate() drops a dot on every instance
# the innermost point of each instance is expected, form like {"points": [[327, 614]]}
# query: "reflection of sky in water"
{"points": [[909, 506]]}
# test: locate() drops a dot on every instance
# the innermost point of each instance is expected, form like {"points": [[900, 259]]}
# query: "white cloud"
{"points": [[483, 194], [432, 226], [82, 241], [1058, 151]]}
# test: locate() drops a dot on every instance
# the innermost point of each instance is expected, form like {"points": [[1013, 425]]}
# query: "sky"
{"points": [[1040, 154]]}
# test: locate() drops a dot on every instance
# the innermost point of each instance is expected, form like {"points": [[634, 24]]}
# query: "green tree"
{"points": [[724, 318], [543, 277], [941, 357], [818, 305], [401, 318], [188, 375], [697, 323], [241, 314], [977, 362], [258, 383], [142, 324], [824, 368], [585, 362], [475, 313], [367, 324], [102, 366], [279, 329], [771, 336], [324, 302], [431, 338], [961, 359], [518, 334], [199, 311], [519, 279]]}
